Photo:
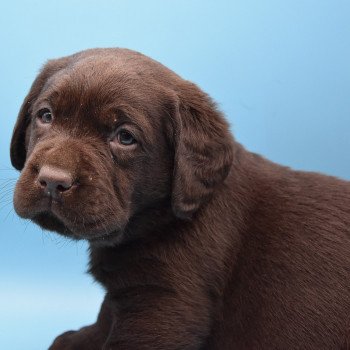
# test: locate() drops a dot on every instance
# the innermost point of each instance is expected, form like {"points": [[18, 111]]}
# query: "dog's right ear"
{"points": [[204, 149], [18, 147]]}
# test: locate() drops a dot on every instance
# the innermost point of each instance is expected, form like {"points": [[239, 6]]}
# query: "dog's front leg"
{"points": [[143, 319], [149, 318]]}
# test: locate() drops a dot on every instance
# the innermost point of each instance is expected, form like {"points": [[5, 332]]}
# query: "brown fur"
{"points": [[199, 243]]}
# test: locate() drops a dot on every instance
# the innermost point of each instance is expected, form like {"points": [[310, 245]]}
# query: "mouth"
{"points": [[95, 232], [48, 221], [106, 239], [77, 222]]}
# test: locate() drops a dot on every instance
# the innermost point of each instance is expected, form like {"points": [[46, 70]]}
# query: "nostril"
{"points": [[63, 187], [43, 183]]}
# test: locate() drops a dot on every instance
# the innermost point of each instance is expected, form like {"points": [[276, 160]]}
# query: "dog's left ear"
{"points": [[18, 147], [203, 150]]}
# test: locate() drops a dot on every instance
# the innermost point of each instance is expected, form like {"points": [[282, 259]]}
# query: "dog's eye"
{"points": [[125, 138], [45, 116]]}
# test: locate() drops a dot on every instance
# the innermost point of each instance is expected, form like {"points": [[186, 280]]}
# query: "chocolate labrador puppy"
{"points": [[199, 243]]}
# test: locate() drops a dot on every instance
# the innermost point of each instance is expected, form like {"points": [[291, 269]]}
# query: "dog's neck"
{"points": [[158, 230]]}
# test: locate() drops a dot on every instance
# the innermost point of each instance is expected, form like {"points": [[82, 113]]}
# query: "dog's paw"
{"points": [[65, 341]]}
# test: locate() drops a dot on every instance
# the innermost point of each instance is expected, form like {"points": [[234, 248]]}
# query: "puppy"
{"points": [[199, 243]]}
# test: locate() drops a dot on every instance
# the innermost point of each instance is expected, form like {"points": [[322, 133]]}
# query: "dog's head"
{"points": [[106, 134]]}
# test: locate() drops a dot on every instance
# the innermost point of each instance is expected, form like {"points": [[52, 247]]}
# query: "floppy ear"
{"points": [[18, 147], [203, 150]]}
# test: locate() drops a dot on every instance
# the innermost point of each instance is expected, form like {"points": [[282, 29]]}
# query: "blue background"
{"points": [[279, 69]]}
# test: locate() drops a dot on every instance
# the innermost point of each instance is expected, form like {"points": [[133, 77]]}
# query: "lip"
{"points": [[108, 239], [52, 214], [102, 237], [93, 231], [44, 205]]}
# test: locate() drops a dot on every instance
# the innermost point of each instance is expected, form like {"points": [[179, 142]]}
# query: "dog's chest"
{"points": [[128, 269]]}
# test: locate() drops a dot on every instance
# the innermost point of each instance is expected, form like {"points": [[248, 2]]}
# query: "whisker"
{"points": [[11, 210], [7, 197], [8, 179], [5, 205], [59, 241], [27, 224], [7, 185], [42, 237], [6, 168], [6, 193]]}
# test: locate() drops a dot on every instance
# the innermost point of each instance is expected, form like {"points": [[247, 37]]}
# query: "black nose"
{"points": [[54, 181]]}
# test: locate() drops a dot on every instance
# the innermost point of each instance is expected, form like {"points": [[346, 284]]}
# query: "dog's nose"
{"points": [[54, 181]]}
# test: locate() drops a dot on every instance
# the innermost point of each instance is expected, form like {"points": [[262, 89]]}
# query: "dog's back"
{"points": [[290, 285]]}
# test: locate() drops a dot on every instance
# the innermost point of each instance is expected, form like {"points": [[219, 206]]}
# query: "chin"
{"points": [[107, 240], [48, 221], [95, 234]]}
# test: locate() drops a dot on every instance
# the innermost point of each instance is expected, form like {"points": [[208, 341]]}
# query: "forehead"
{"points": [[101, 89]]}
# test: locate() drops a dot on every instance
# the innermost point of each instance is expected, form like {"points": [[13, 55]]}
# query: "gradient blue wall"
{"points": [[279, 69]]}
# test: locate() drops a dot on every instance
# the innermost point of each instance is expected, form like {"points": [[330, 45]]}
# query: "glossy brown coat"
{"points": [[199, 243]]}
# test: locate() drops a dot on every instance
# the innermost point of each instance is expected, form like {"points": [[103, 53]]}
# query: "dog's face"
{"points": [[105, 135]]}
